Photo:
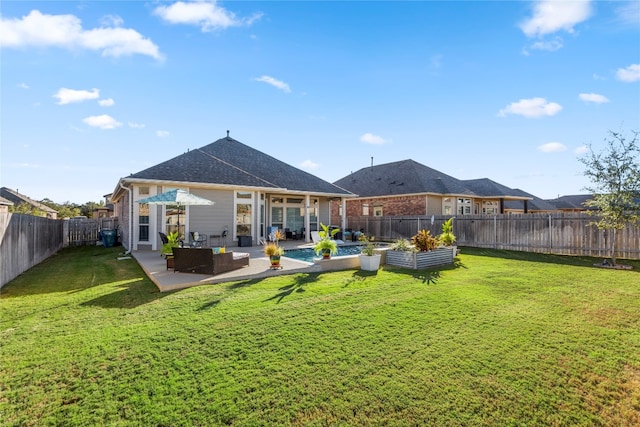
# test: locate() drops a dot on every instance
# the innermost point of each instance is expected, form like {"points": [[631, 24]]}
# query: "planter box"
{"points": [[420, 260], [369, 262]]}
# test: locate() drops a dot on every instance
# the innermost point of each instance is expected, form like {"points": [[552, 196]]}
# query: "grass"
{"points": [[502, 338]]}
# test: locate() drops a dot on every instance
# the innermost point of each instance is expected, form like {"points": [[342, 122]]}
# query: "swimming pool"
{"points": [[309, 254]]}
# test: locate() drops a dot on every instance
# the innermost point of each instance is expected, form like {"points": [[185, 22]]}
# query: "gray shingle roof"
{"points": [[574, 201], [229, 162], [488, 188], [403, 177], [17, 198]]}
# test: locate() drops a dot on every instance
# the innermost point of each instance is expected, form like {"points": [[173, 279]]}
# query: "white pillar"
{"points": [[307, 219]]}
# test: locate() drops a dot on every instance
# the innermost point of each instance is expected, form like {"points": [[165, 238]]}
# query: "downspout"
{"points": [[130, 216]]}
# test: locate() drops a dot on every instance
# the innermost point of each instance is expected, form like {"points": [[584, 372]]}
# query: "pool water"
{"points": [[309, 254]]}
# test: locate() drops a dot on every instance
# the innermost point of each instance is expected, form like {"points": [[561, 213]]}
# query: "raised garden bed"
{"points": [[420, 260]]}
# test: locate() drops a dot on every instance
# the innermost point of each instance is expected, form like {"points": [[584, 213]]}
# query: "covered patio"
{"points": [[155, 266]]}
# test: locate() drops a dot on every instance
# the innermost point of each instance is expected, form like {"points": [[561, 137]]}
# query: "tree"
{"points": [[26, 208], [615, 184]]}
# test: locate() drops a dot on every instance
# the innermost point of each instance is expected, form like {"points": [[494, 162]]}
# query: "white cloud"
{"points": [[65, 31], [628, 13], [550, 16], [629, 74], [552, 147], [372, 139], [275, 83], [593, 97], [68, 96], [109, 102], [162, 133], [308, 164], [103, 122], [136, 125], [23, 86], [551, 46], [207, 15], [531, 108], [581, 150]]}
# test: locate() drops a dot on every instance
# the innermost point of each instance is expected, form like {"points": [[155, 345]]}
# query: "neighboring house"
{"points": [[571, 203], [4, 205], [411, 188], [105, 211], [17, 198], [252, 192], [535, 205]]}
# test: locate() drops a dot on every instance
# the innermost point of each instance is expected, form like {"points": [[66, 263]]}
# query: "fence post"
{"points": [[495, 231], [550, 236]]}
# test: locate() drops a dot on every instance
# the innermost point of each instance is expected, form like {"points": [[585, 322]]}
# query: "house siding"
{"points": [[211, 220]]}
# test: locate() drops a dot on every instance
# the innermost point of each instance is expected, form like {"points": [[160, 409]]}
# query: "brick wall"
{"points": [[391, 206]]}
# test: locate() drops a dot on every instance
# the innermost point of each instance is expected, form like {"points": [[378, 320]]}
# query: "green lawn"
{"points": [[503, 338]]}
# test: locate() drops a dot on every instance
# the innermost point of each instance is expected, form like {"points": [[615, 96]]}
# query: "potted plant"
{"points": [[326, 246], [326, 232], [369, 260], [274, 252], [173, 241]]}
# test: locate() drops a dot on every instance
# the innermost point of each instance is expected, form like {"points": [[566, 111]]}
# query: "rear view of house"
{"points": [[252, 192]]}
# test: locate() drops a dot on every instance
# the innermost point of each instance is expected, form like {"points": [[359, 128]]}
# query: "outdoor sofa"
{"points": [[206, 261]]}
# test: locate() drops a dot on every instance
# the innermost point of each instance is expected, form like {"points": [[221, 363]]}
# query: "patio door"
{"points": [[244, 213], [295, 219]]}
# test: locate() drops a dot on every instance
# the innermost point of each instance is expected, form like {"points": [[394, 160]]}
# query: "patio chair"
{"points": [[198, 240]]}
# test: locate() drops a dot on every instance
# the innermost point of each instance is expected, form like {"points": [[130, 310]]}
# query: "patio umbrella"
{"points": [[176, 197]]}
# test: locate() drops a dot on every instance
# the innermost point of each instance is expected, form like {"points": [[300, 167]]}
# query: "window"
{"points": [[277, 216], [143, 223], [490, 207], [365, 209], [447, 206], [143, 191], [464, 206], [377, 211]]}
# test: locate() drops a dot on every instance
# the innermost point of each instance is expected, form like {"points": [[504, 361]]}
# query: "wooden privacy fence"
{"points": [[82, 231], [26, 240], [557, 233]]}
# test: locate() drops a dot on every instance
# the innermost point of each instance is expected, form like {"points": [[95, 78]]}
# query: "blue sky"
{"points": [[92, 91]]}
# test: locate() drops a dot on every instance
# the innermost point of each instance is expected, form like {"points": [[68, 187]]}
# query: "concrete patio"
{"points": [[155, 267]]}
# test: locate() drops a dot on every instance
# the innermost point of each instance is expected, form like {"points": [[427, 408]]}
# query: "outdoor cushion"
{"points": [[204, 261]]}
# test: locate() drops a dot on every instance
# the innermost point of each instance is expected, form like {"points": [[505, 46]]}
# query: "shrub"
{"points": [[447, 237], [402, 245], [424, 241]]}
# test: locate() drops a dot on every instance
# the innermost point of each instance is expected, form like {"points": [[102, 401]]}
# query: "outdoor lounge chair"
{"points": [[205, 261]]}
